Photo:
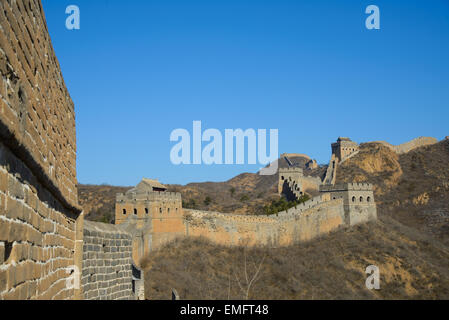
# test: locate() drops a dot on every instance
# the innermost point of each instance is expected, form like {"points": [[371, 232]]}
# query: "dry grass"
{"points": [[412, 266]]}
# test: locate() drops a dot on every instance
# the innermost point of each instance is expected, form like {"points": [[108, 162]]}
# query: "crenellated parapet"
{"points": [[347, 187], [291, 170], [148, 196]]}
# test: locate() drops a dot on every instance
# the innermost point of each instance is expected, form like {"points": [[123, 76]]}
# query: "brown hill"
{"points": [[409, 243], [412, 188], [98, 202], [246, 193], [412, 265]]}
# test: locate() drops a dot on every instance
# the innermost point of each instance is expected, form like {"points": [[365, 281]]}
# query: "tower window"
{"points": [[146, 210], [135, 211], [368, 199], [124, 211], [361, 199], [353, 199]]}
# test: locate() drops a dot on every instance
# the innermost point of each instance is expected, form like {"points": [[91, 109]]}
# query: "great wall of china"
{"points": [[155, 217], [45, 244]]}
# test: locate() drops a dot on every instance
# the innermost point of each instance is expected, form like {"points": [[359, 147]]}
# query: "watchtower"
{"points": [[358, 201], [151, 214], [344, 147]]}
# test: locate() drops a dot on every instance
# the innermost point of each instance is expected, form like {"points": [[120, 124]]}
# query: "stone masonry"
{"points": [[335, 207], [107, 262], [151, 215], [42, 230], [40, 220], [410, 145]]}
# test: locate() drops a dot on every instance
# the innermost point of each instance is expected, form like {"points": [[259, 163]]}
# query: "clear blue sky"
{"points": [[137, 70]]}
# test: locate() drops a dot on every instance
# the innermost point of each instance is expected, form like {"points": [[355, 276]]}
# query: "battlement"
{"points": [[291, 170], [148, 196], [343, 148], [347, 187]]}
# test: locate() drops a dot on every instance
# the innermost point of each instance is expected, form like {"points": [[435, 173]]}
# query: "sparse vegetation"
{"points": [[190, 204], [282, 204], [208, 201], [413, 266], [98, 202]]}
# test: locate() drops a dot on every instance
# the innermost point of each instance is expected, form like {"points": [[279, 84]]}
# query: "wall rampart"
{"points": [[40, 220], [410, 145], [311, 219], [107, 262]]}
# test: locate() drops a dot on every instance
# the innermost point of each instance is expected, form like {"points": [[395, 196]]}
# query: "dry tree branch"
{"points": [[249, 282]]}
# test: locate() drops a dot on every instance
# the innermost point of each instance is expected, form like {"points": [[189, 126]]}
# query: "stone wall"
{"points": [[310, 184], [410, 145], [309, 220], [37, 113], [295, 155], [107, 262], [38, 235], [293, 183], [40, 221]]}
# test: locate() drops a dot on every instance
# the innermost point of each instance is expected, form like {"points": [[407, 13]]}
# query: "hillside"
{"points": [[98, 202], [412, 266], [409, 242], [412, 188], [246, 193]]}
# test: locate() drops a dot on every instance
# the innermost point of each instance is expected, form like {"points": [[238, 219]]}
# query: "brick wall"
{"points": [[410, 145], [37, 235], [304, 223], [107, 262], [40, 220], [36, 108]]}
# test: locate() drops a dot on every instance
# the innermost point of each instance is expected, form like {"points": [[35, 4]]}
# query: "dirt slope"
{"points": [[412, 266]]}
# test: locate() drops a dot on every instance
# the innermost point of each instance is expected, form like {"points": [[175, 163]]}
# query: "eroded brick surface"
{"points": [[38, 194], [35, 106], [37, 236]]}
